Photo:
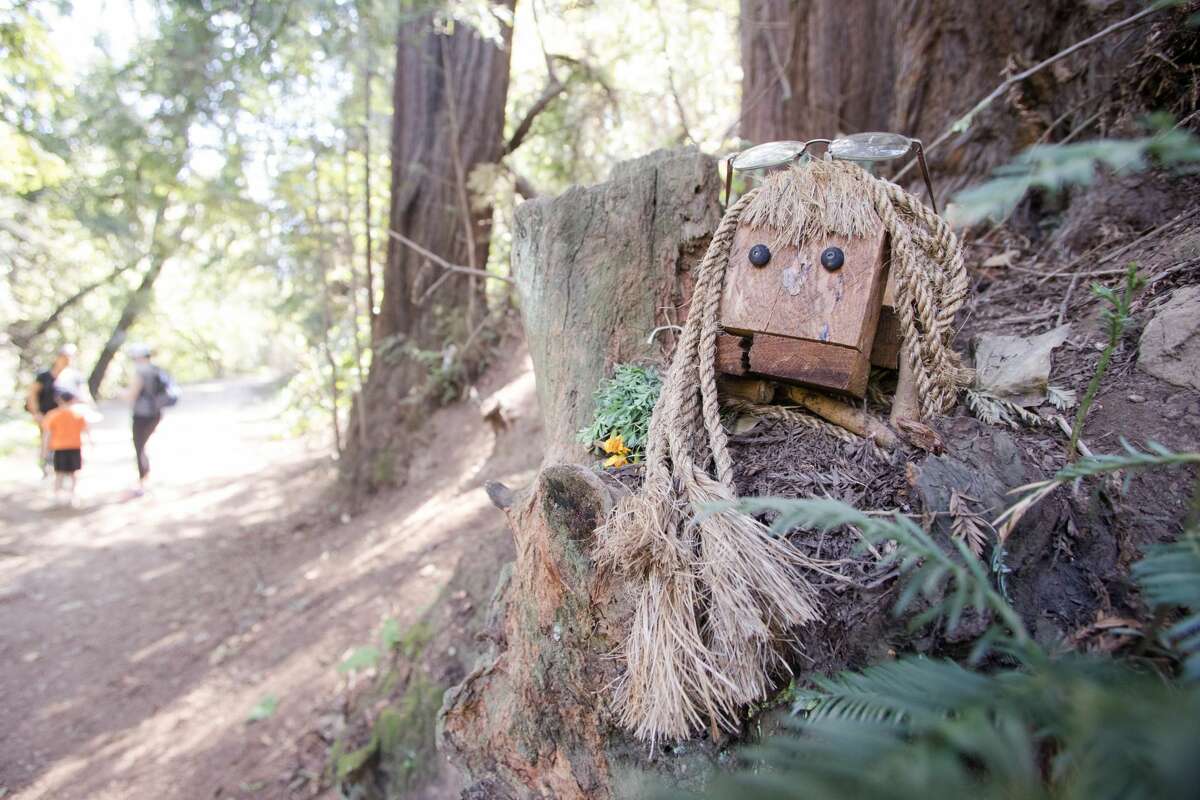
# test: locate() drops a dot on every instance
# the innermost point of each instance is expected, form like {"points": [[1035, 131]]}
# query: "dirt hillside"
{"points": [[140, 636]]}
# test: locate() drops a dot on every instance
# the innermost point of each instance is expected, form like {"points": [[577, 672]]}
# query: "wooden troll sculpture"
{"points": [[716, 595]]}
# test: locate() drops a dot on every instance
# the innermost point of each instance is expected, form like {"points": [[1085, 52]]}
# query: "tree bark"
{"points": [[134, 305], [525, 723], [599, 268], [819, 68], [425, 201], [448, 98]]}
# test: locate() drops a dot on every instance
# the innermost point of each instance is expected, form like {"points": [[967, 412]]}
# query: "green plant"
{"points": [[948, 584], [1169, 577], [1116, 317], [401, 747], [624, 404], [1052, 167], [263, 709], [1155, 455], [1041, 726]]}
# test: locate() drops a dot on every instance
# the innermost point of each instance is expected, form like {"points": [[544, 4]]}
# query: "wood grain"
{"points": [[809, 325], [754, 390], [794, 296], [885, 351], [826, 366], [731, 354]]}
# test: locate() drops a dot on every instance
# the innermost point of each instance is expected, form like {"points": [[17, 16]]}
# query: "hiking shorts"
{"points": [[68, 460]]}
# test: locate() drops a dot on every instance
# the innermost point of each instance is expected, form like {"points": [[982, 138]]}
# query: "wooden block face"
{"points": [[794, 296], [885, 352], [731, 354], [840, 369]]}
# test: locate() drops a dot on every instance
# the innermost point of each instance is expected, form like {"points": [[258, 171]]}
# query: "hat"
{"points": [[68, 350], [138, 350]]}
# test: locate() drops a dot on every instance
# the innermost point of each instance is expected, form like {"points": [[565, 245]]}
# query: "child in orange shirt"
{"points": [[65, 426]]}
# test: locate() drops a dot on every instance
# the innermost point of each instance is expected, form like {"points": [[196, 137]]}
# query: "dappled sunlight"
{"points": [[286, 513]]}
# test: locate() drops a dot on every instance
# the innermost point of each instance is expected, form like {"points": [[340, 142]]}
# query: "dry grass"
{"points": [[814, 199]]}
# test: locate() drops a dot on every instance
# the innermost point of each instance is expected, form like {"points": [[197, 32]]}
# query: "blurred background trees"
{"points": [[219, 178], [260, 186]]}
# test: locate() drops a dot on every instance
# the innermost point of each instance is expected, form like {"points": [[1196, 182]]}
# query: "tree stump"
{"points": [[595, 268], [527, 720], [599, 268]]}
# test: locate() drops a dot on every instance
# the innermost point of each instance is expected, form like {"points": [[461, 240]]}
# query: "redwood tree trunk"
{"points": [[819, 68], [451, 84], [439, 76]]}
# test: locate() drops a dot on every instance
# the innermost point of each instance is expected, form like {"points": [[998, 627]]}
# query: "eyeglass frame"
{"points": [[914, 144]]}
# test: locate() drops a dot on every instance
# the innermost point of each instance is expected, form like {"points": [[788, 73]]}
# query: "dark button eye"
{"points": [[759, 255], [832, 258]]}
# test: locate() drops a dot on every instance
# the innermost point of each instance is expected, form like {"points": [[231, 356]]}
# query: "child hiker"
{"points": [[64, 428]]}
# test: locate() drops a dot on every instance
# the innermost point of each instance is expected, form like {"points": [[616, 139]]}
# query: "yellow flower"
{"points": [[615, 444], [618, 452]]}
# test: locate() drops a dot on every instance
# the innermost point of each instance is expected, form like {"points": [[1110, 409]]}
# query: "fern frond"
{"points": [[1169, 576], [993, 410], [966, 524], [1061, 398], [1155, 455], [898, 691], [951, 584]]}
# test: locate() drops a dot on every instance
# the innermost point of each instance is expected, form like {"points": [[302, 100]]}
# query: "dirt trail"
{"points": [[136, 636]]}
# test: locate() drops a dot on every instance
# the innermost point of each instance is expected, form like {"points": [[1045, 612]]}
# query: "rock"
{"points": [[1016, 367], [1170, 344], [1054, 571], [500, 495], [595, 267]]}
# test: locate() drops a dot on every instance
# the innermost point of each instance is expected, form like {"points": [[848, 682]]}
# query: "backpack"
{"points": [[166, 392], [45, 397]]}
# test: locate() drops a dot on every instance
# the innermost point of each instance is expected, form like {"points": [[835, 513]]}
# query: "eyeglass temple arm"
{"points": [[728, 178], [729, 164], [925, 173]]}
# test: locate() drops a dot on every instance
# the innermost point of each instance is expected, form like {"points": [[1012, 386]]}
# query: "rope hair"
{"points": [[717, 595]]}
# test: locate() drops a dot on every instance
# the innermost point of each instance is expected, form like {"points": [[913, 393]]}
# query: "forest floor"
{"points": [[141, 635]]}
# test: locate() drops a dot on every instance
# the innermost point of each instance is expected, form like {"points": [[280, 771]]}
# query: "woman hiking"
{"points": [[149, 393]]}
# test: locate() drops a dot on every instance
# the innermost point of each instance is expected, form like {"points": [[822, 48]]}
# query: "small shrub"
{"points": [[1116, 317], [624, 404]]}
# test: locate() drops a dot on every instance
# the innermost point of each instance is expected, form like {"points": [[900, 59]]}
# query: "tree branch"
{"points": [[443, 263], [49, 321], [964, 122], [553, 89], [522, 185]]}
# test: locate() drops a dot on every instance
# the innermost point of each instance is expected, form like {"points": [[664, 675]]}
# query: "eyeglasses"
{"points": [[855, 147]]}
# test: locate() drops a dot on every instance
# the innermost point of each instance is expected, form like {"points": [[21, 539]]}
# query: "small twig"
{"points": [[444, 264], [666, 45], [660, 329], [1065, 427], [1172, 270], [553, 89], [1066, 301], [964, 121], [1065, 271]]}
